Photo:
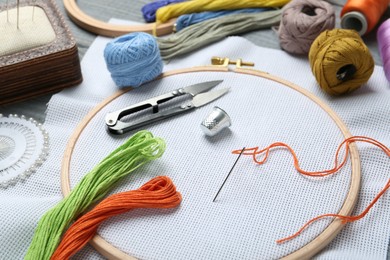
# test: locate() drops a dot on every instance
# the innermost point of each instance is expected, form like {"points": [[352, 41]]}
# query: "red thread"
{"points": [[337, 166], [159, 192], [371, 9]]}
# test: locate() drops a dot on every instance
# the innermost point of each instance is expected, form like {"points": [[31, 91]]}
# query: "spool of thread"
{"points": [[196, 6], [340, 61], [149, 10], [362, 15], [302, 21], [383, 38], [133, 59]]}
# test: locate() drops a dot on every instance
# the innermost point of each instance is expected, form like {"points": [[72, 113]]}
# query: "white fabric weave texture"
{"points": [[258, 204]]}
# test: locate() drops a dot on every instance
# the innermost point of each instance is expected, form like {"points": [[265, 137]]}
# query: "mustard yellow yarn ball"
{"points": [[340, 61]]}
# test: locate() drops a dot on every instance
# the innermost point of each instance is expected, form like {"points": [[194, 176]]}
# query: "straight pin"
{"points": [[33, 11], [231, 170], [17, 11], [7, 13]]}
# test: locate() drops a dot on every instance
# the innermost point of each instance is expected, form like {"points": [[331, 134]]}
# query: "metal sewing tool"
{"points": [[231, 170], [7, 12], [198, 92], [215, 122], [17, 11], [33, 10], [219, 61]]}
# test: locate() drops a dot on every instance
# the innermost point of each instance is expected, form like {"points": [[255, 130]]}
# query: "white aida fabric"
{"points": [[259, 203], [34, 30]]}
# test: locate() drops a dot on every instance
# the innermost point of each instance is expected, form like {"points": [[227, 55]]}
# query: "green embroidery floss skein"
{"points": [[139, 149]]}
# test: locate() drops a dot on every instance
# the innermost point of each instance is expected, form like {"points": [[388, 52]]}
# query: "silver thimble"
{"points": [[215, 121]]}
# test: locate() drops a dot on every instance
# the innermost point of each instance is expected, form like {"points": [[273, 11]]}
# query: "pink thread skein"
{"points": [[302, 21]]}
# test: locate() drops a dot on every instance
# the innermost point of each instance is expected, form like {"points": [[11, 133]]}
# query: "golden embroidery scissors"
{"points": [[199, 94]]}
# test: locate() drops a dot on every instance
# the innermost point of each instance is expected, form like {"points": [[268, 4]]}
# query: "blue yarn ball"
{"points": [[133, 59]]}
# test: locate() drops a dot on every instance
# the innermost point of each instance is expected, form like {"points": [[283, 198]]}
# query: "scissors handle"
{"points": [[123, 127], [113, 117]]}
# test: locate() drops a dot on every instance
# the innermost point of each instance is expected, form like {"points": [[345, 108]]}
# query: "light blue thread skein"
{"points": [[133, 59]]}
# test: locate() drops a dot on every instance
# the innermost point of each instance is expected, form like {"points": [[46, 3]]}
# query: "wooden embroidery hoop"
{"points": [[111, 30], [305, 252]]}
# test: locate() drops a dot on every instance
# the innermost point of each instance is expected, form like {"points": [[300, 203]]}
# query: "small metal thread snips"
{"points": [[197, 91]]}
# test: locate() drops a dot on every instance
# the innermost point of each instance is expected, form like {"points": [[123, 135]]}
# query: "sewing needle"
{"points": [[243, 149]]}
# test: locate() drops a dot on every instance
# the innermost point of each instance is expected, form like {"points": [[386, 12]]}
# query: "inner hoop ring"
{"points": [[305, 252]]}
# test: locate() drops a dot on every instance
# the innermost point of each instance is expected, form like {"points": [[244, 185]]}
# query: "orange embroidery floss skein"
{"points": [[159, 192], [255, 152]]}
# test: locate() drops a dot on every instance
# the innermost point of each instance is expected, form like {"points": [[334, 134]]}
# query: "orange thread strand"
{"points": [[344, 219], [254, 152], [337, 165], [159, 192]]}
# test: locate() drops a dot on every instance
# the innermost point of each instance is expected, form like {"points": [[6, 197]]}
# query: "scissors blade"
{"points": [[204, 98], [201, 87]]}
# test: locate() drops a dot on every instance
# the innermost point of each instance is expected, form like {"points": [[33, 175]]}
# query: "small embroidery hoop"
{"points": [[305, 252], [105, 29]]}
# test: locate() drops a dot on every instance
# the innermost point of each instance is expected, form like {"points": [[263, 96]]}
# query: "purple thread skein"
{"points": [[383, 38], [302, 21]]}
